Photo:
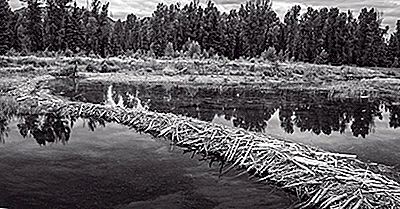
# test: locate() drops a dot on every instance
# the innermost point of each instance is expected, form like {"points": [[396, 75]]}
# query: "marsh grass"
{"points": [[8, 107]]}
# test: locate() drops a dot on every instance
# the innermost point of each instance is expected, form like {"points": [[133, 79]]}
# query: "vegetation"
{"points": [[319, 36]]}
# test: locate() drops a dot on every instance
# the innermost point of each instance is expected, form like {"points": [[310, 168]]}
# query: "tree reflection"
{"points": [[363, 117], [285, 116], [94, 123], [52, 128], [3, 129], [331, 116], [48, 128], [394, 116], [252, 108]]}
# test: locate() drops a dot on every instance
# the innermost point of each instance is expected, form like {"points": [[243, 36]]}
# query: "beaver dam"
{"points": [[320, 179]]}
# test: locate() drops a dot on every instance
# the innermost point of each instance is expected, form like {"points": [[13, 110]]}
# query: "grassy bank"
{"points": [[340, 81]]}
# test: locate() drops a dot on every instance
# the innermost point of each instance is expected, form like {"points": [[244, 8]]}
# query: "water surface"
{"points": [[106, 165], [368, 127]]}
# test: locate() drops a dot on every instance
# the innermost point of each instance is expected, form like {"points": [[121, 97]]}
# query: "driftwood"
{"points": [[319, 178]]}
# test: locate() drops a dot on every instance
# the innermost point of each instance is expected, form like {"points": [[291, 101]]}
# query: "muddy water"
{"points": [[103, 165], [368, 127]]}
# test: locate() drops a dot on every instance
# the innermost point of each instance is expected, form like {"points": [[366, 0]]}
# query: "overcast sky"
{"points": [[120, 8]]}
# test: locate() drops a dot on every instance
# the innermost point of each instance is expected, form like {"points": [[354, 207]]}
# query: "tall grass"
{"points": [[8, 108]]}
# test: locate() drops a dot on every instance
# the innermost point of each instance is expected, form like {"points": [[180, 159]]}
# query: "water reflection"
{"points": [[48, 128], [394, 116], [3, 129], [251, 108]]}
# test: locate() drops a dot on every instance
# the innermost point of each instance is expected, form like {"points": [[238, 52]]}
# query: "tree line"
{"points": [[323, 36]]}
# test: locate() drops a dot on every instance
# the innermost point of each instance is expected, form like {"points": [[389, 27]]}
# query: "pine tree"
{"points": [[370, 39], [104, 31], [74, 34], [335, 41], [91, 38], [117, 39], [257, 26], [169, 50], [158, 30], [291, 31], [232, 39], [34, 26], [5, 30], [350, 49], [394, 46], [309, 36], [131, 33], [212, 33]]}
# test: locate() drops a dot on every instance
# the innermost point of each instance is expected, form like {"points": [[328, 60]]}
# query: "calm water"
{"points": [[100, 165], [367, 127], [88, 163]]}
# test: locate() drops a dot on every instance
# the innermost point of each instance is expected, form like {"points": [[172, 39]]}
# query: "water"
{"points": [[363, 126], [88, 163], [94, 164]]}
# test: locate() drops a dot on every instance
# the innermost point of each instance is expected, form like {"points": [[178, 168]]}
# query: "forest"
{"points": [[321, 36]]}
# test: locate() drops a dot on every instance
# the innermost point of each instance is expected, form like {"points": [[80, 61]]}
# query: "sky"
{"points": [[120, 8]]}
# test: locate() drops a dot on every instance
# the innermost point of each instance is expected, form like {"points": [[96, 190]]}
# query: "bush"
{"points": [[68, 53], [270, 54], [77, 61], [68, 71], [395, 63], [47, 53], [192, 49], [322, 58], [28, 68], [105, 68], [169, 50], [4, 62], [12, 53], [91, 68], [8, 107]]}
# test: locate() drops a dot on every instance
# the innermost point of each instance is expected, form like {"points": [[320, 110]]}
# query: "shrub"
{"points": [[3, 62], [8, 107], [105, 68], [68, 71], [12, 53], [68, 53], [270, 54], [322, 58], [91, 68], [205, 54], [28, 68], [169, 50], [192, 49], [47, 53], [395, 63], [77, 61]]}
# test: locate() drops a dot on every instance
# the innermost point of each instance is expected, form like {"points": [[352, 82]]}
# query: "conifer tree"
{"points": [[74, 34], [291, 31], [117, 39], [104, 31], [5, 27], [34, 26]]}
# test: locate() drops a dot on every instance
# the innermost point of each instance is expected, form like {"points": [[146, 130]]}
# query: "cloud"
{"points": [[120, 8]]}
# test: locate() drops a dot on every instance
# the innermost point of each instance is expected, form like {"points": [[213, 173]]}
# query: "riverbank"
{"points": [[340, 81]]}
